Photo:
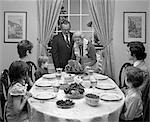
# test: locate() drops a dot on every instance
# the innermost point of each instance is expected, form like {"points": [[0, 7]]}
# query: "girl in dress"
{"points": [[16, 109], [132, 110]]}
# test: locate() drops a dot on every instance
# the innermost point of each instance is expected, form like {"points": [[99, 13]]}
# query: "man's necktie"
{"points": [[81, 50], [67, 39]]}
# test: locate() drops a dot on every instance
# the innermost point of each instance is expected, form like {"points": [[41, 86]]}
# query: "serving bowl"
{"points": [[92, 99], [65, 104]]}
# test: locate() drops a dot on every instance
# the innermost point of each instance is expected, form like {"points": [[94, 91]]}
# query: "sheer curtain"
{"points": [[102, 13], [48, 12]]}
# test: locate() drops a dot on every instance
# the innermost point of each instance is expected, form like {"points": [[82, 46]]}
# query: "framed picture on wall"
{"points": [[15, 26], [134, 27]]}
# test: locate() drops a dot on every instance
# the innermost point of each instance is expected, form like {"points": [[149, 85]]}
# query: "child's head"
{"points": [[42, 61], [134, 76], [18, 70], [24, 47]]}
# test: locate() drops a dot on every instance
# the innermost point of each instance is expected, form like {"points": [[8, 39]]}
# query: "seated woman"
{"points": [[16, 108], [84, 51]]}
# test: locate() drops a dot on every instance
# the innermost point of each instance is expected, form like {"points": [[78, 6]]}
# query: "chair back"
{"points": [[146, 101], [32, 68], [4, 113], [122, 74], [4, 84]]}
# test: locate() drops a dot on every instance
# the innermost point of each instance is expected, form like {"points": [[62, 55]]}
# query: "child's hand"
{"points": [[28, 94], [124, 90]]}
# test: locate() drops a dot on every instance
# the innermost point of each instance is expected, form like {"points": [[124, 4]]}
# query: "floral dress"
{"points": [[16, 90]]}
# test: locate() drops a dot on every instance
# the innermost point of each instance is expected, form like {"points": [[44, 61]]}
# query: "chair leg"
{"points": [[4, 114]]}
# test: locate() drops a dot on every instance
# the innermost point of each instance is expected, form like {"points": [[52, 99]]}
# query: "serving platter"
{"points": [[65, 104]]}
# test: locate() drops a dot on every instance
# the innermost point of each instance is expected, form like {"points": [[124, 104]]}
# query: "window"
{"points": [[76, 11]]}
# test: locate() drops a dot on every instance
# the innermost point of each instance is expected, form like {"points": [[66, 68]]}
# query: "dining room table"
{"points": [[43, 107]]}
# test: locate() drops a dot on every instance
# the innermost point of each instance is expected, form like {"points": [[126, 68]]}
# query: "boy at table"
{"points": [[133, 107], [42, 67]]}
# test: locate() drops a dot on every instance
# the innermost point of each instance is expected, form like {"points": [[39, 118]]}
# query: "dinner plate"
{"points": [[49, 76], [44, 84], [105, 86], [44, 95], [100, 77], [110, 97]]}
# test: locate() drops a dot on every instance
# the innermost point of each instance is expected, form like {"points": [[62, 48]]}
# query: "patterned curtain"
{"points": [[102, 13], [48, 14]]}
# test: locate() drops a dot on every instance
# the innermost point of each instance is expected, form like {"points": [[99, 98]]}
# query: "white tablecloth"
{"points": [[47, 111]]}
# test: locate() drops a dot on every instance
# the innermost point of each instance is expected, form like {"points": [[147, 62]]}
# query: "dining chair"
{"points": [[122, 74], [4, 83], [4, 113], [146, 102], [32, 69]]}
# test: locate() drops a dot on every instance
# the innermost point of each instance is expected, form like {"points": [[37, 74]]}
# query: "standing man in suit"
{"points": [[62, 46]]}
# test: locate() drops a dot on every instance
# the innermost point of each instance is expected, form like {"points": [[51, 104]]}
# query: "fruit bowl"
{"points": [[74, 91], [75, 95], [92, 99]]}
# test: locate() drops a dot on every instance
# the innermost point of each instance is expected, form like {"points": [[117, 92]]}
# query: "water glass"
{"points": [[91, 71], [93, 83], [56, 87], [58, 76], [59, 70], [59, 73]]}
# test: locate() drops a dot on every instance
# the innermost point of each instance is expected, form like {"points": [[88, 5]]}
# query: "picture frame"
{"points": [[15, 26], [134, 27]]}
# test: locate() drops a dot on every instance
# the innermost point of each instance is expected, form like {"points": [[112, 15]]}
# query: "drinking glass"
{"points": [[59, 73], [90, 71], [59, 70], [56, 87], [58, 76], [93, 83]]}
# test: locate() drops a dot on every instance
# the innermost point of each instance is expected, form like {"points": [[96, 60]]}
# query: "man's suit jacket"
{"points": [[61, 51]]}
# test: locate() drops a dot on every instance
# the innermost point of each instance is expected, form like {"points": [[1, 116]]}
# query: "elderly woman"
{"points": [[83, 51]]}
